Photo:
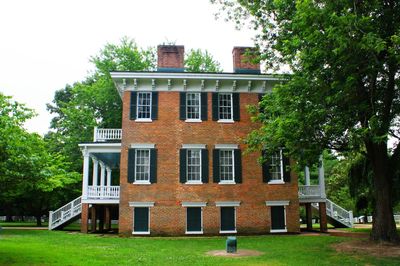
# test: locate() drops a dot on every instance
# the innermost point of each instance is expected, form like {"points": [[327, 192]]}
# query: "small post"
{"points": [[95, 134], [231, 244], [50, 219], [321, 177], [351, 218]]}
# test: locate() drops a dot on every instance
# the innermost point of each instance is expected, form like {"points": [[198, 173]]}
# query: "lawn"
{"points": [[40, 247]]}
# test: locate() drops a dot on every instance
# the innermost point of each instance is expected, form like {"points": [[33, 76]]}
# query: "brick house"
{"points": [[180, 162]]}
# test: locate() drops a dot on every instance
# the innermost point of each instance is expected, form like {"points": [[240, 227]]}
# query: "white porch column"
{"points": [[321, 177], [108, 176], [95, 171], [102, 174], [307, 175], [85, 181]]}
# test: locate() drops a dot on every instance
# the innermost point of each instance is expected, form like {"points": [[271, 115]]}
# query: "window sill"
{"points": [[278, 231], [228, 232], [140, 233], [276, 182], [193, 120], [227, 121], [141, 183], [194, 232], [144, 120], [227, 183], [194, 183]]}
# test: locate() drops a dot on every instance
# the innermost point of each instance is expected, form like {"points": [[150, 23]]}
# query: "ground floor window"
{"points": [[228, 220], [194, 222], [278, 219], [141, 220]]}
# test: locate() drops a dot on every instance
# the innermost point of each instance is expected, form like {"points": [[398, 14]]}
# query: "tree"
{"points": [[199, 61], [343, 93]]}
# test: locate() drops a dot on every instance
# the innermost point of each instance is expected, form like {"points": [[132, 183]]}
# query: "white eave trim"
{"points": [[141, 204], [277, 202], [193, 204], [197, 76], [226, 146], [82, 145], [142, 146], [227, 203], [193, 146]]}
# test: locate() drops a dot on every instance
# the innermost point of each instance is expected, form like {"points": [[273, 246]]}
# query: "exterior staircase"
{"points": [[337, 215], [65, 214]]}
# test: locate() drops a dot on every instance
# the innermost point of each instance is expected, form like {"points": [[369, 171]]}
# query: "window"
{"points": [[225, 106], [278, 215], [144, 105], [193, 106], [276, 166], [141, 220], [142, 166], [193, 165], [226, 166], [194, 223], [228, 220]]}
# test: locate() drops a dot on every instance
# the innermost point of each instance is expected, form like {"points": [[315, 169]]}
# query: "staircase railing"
{"points": [[65, 213], [338, 213]]}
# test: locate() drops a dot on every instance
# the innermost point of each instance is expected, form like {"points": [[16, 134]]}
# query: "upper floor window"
{"points": [[193, 106], [193, 164], [225, 106], [142, 165], [227, 164], [276, 168], [144, 105]]}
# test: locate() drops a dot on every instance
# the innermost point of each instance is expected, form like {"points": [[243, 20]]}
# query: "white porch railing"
{"points": [[103, 192], [338, 213], [312, 191], [104, 134], [65, 213]]}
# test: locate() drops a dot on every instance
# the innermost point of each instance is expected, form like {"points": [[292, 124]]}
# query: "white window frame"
{"points": [[193, 182], [283, 203], [220, 221], [137, 107], [227, 182], [219, 113], [142, 182], [193, 120], [201, 220], [281, 179], [140, 204]]}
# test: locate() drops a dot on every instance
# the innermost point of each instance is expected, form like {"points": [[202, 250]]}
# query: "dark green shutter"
{"points": [[131, 165], [277, 217], [204, 165], [154, 105], [265, 168], [132, 115], [228, 219], [286, 169], [182, 165], [141, 219], [216, 166], [204, 99], [153, 166], [182, 106], [236, 106], [193, 217], [238, 165], [215, 115]]}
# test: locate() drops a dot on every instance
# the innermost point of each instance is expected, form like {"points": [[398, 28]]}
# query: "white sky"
{"points": [[46, 44]]}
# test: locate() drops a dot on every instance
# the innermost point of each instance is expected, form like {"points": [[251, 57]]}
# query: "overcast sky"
{"points": [[46, 44]]}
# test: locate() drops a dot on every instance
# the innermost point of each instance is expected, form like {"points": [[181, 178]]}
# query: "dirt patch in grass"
{"points": [[238, 254], [367, 247]]}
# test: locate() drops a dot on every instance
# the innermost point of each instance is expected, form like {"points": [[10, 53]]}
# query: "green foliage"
{"points": [[199, 61]]}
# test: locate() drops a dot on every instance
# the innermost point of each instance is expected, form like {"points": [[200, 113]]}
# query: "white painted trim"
{"points": [[226, 121], [141, 233], [226, 182], [277, 202], [228, 232], [144, 120], [141, 182], [227, 203], [226, 146], [193, 120], [142, 146], [193, 146], [141, 204], [100, 201], [193, 204], [116, 145], [194, 232], [278, 231], [276, 182], [194, 182]]}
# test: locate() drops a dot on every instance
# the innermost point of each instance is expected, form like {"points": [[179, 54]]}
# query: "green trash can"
{"points": [[231, 244]]}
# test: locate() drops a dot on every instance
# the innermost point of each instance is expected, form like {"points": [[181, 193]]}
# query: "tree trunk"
{"points": [[9, 218], [38, 220], [383, 225]]}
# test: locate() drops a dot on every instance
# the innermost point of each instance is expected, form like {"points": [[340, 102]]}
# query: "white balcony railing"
{"points": [[105, 134], [311, 191], [103, 192]]}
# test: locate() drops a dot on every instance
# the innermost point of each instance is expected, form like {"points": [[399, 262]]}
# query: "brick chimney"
{"points": [[170, 58], [243, 63]]}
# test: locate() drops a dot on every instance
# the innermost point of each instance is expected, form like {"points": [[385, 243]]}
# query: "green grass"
{"points": [[33, 247], [21, 224]]}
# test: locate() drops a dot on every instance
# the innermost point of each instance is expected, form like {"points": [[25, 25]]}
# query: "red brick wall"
{"points": [[168, 217], [241, 61]]}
